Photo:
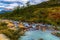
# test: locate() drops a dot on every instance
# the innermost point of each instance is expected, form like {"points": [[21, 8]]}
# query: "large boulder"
{"points": [[3, 37]]}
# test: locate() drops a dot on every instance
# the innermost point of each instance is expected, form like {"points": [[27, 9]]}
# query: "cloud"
{"points": [[10, 4], [16, 1]]}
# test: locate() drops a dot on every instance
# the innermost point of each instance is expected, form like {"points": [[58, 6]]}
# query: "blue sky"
{"points": [[10, 4]]}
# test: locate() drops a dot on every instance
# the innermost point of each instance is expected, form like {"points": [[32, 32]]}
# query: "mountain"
{"points": [[4, 11], [46, 12]]}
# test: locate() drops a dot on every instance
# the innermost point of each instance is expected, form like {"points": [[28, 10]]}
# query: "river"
{"points": [[37, 34]]}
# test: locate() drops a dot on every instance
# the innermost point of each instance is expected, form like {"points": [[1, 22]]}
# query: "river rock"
{"points": [[3, 37]]}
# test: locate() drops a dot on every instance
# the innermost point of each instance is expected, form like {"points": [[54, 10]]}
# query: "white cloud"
{"points": [[36, 1], [14, 4], [10, 0], [1, 6], [16, 0], [11, 6]]}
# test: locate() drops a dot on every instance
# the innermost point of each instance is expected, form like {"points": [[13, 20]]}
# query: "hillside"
{"points": [[47, 12]]}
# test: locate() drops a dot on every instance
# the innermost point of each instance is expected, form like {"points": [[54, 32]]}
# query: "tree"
{"points": [[28, 3], [54, 0]]}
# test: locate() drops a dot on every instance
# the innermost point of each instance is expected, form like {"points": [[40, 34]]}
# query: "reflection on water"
{"points": [[36, 35]]}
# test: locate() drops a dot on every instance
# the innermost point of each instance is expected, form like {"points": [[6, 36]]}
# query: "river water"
{"points": [[37, 34]]}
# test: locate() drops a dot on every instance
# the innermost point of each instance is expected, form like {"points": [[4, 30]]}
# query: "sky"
{"points": [[10, 4]]}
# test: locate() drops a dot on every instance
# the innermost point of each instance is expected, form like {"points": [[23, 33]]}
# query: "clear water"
{"points": [[36, 35]]}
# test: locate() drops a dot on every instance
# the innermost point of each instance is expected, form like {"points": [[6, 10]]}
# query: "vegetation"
{"points": [[47, 12], [57, 34], [3, 26], [11, 34]]}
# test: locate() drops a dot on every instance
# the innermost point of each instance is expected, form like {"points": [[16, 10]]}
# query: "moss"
{"points": [[57, 34], [41, 39]]}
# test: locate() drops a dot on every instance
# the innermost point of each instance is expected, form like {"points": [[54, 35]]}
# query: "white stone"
{"points": [[3, 37]]}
